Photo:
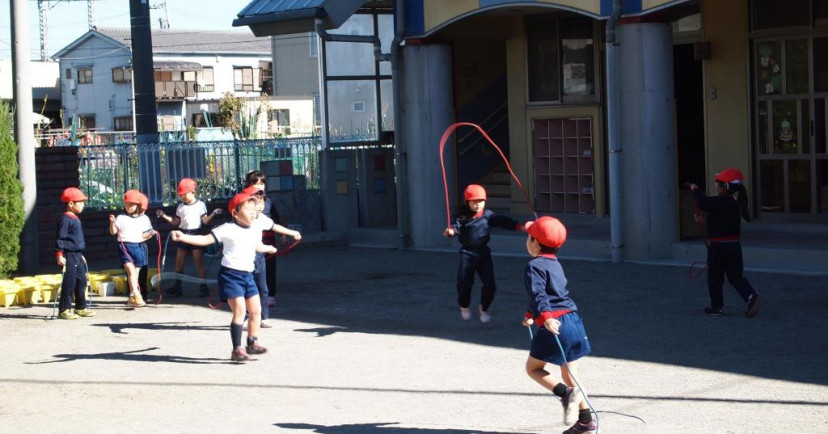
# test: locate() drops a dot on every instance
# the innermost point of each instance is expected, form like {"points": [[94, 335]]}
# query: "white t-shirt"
{"points": [[239, 251], [190, 215], [263, 222], [131, 229]]}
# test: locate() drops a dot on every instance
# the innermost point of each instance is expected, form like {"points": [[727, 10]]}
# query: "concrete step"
{"points": [[498, 190], [498, 203]]}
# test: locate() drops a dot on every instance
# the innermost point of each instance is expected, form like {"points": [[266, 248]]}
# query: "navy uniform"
{"points": [[70, 244], [724, 251], [475, 256]]}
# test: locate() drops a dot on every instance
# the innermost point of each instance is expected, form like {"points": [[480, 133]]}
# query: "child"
{"points": [[70, 245], [189, 216], [133, 229], [259, 273], [242, 239], [551, 308], [257, 179], [724, 252], [473, 224]]}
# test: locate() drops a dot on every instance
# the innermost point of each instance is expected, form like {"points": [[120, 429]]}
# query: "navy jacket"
{"points": [[545, 284], [69, 234], [724, 218], [474, 232]]}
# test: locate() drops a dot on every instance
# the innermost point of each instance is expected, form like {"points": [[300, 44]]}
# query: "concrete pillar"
{"points": [[427, 112], [647, 127]]}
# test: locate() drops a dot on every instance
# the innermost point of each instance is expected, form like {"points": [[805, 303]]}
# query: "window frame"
{"points": [[117, 119], [84, 74], [123, 71], [255, 79]]}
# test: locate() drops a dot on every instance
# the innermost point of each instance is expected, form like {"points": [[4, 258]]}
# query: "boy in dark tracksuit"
{"points": [[473, 226], [724, 252], [70, 244]]}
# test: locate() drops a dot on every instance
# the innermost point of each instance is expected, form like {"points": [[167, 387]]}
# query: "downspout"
{"points": [[400, 159], [613, 135]]}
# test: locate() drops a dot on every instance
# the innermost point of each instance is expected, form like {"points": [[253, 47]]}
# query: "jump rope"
{"points": [[449, 131], [60, 289]]}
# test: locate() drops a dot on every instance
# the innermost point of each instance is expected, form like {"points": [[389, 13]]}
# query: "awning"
{"points": [[282, 17], [176, 66]]}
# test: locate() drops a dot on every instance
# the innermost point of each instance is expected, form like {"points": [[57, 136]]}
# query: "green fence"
{"points": [[107, 171]]}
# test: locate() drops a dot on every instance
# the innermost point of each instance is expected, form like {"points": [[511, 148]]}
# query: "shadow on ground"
{"points": [[383, 428]]}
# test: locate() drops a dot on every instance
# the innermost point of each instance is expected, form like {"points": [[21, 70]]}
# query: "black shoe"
{"points": [[203, 291], [175, 291], [754, 304], [713, 311]]}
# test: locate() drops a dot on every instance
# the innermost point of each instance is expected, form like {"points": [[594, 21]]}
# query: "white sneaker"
{"points": [[484, 316], [465, 313]]}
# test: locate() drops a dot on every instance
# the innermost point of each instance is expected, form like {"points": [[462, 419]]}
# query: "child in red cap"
{"points": [[555, 313], [190, 215], [70, 245], [725, 212], [133, 229], [242, 239], [473, 223]]}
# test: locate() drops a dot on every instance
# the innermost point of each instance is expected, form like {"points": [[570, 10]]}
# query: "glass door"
{"points": [[790, 126]]}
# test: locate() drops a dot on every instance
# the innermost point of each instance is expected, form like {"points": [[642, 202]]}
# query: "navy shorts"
{"points": [[133, 252], [185, 246], [573, 340], [234, 283]]}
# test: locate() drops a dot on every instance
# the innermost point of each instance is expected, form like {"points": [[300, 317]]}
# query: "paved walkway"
{"points": [[370, 341]]}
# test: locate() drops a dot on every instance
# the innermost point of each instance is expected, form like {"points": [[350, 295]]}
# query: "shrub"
{"points": [[11, 196]]}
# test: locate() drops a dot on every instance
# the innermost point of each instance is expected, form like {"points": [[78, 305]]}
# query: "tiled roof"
{"points": [[195, 41]]}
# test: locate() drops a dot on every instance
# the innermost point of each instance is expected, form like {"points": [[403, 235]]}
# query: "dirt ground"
{"points": [[370, 341]]}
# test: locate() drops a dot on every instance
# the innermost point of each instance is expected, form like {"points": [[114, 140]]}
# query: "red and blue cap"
{"points": [[549, 231]]}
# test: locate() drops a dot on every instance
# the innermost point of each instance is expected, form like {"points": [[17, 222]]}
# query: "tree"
{"points": [[11, 196]]}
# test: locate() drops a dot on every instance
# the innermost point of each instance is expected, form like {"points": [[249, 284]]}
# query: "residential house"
{"points": [[193, 69], [701, 85], [45, 89]]}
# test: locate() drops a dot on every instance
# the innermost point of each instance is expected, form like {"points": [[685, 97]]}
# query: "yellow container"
{"points": [[8, 294], [48, 292], [150, 273], [95, 278], [120, 284], [113, 271], [28, 295]]}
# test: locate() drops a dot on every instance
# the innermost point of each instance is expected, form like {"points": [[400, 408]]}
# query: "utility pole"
{"points": [[24, 134], [143, 82], [42, 7]]}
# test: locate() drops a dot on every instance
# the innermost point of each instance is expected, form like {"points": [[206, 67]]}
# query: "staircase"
{"points": [[498, 184]]}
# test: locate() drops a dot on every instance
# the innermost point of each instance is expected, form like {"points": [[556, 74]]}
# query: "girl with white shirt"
{"points": [[241, 238], [133, 229]]}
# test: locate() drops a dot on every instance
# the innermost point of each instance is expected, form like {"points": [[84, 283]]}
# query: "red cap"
{"points": [[133, 196], [730, 176], [475, 192], [72, 194], [185, 186], [549, 231], [144, 205], [239, 199], [253, 191]]}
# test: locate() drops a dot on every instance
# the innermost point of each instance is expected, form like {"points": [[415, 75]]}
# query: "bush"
{"points": [[11, 196]]}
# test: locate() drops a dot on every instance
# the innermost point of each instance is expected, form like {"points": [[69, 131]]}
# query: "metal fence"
{"points": [[219, 168]]}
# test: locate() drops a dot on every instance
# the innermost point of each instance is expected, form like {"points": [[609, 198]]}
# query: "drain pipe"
{"points": [[613, 135], [400, 153], [400, 159]]}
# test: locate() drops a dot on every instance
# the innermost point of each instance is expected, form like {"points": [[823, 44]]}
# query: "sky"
{"points": [[67, 20]]}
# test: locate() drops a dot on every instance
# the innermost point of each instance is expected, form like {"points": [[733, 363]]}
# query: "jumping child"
{"points": [[724, 252], [70, 244], [133, 229], [473, 224], [555, 313], [189, 217], [241, 239]]}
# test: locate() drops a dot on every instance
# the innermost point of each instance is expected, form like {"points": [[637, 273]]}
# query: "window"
{"points": [[204, 119], [84, 75], [123, 123], [68, 73], [86, 122], [247, 79], [773, 14], [122, 74], [279, 120], [560, 58], [204, 78]]}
